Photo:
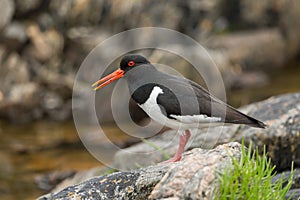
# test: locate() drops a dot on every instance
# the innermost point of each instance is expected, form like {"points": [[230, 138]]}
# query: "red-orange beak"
{"points": [[108, 79]]}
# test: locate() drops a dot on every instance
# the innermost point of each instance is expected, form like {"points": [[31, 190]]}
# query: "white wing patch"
{"points": [[196, 118]]}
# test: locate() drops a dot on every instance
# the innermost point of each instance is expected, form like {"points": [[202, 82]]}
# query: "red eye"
{"points": [[131, 63]]}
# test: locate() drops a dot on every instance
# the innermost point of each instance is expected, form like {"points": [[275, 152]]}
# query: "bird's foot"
{"points": [[174, 159], [183, 140]]}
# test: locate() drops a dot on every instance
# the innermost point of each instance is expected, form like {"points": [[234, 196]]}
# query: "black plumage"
{"points": [[180, 95]]}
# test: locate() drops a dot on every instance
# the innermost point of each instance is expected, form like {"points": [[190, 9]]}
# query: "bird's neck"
{"points": [[139, 77]]}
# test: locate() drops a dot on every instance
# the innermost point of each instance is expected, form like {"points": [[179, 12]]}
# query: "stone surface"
{"points": [[7, 8], [282, 137], [290, 27], [14, 36], [294, 192], [45, 44], [25, 6], [194, 177], [121, 185], [48, 181]]}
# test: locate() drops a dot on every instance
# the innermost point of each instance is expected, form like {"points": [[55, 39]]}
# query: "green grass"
{"points": [[251, 178], [165, 154]]}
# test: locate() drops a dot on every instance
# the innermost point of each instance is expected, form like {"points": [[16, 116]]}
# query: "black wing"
{"points": [[184, 97]]}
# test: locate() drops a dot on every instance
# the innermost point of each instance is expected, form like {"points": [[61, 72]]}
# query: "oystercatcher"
{"points": [[173, 101]]}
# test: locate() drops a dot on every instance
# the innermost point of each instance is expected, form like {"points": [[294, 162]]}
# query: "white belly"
{"points": [[180, 122]]}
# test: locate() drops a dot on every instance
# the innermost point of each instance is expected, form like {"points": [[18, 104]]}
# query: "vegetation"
{"points": [[251, 178], [165, 154]]}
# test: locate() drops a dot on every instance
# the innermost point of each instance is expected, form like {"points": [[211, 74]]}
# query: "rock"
{"points": [[121, 185], [293, 194], [286, 174], [290, 27], [55, 107], [195, 175], [45, 44], [21, 102], [250, 50], [19, 96], [7, 8], [25, 6], [14, 36], [255, 13], [82, 176], [79, 12], [282, 137], [48, 181]]}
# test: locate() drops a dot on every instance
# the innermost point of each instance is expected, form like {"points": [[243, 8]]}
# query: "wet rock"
{"points": [[280, 113], [195, 175], [7, 8]]}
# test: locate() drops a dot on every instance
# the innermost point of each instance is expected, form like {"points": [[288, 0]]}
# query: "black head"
{"points": [[132, 60]]}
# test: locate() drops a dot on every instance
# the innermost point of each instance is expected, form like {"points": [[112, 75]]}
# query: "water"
{"points": [[41, 147], [29, 150]]}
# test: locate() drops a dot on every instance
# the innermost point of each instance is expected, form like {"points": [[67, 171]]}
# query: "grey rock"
{"points": [[121, 185], [7, 8], [20, 103], [194, 177], [44, 44], [290, 27], [77, 12], [293, 194], [48, 181], [281, 138], [280, 113], [25, 6], [286, 174], [250, 50], [14, 35], [255, 13]]}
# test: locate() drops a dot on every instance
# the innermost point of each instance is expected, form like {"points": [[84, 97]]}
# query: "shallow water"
{"points": [[41, 147], [29, 150]]}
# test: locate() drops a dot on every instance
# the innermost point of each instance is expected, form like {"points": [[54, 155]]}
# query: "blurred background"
{"points": [[255, 44]]}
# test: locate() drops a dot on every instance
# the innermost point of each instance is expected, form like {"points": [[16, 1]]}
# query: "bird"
{"points": [[176, 102]]}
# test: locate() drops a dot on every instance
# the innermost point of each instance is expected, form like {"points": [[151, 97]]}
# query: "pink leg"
{"points": [[184, 138]]}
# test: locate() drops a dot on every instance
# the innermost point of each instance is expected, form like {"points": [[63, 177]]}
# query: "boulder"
{"points": [[195, 177], [7, 9]]}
